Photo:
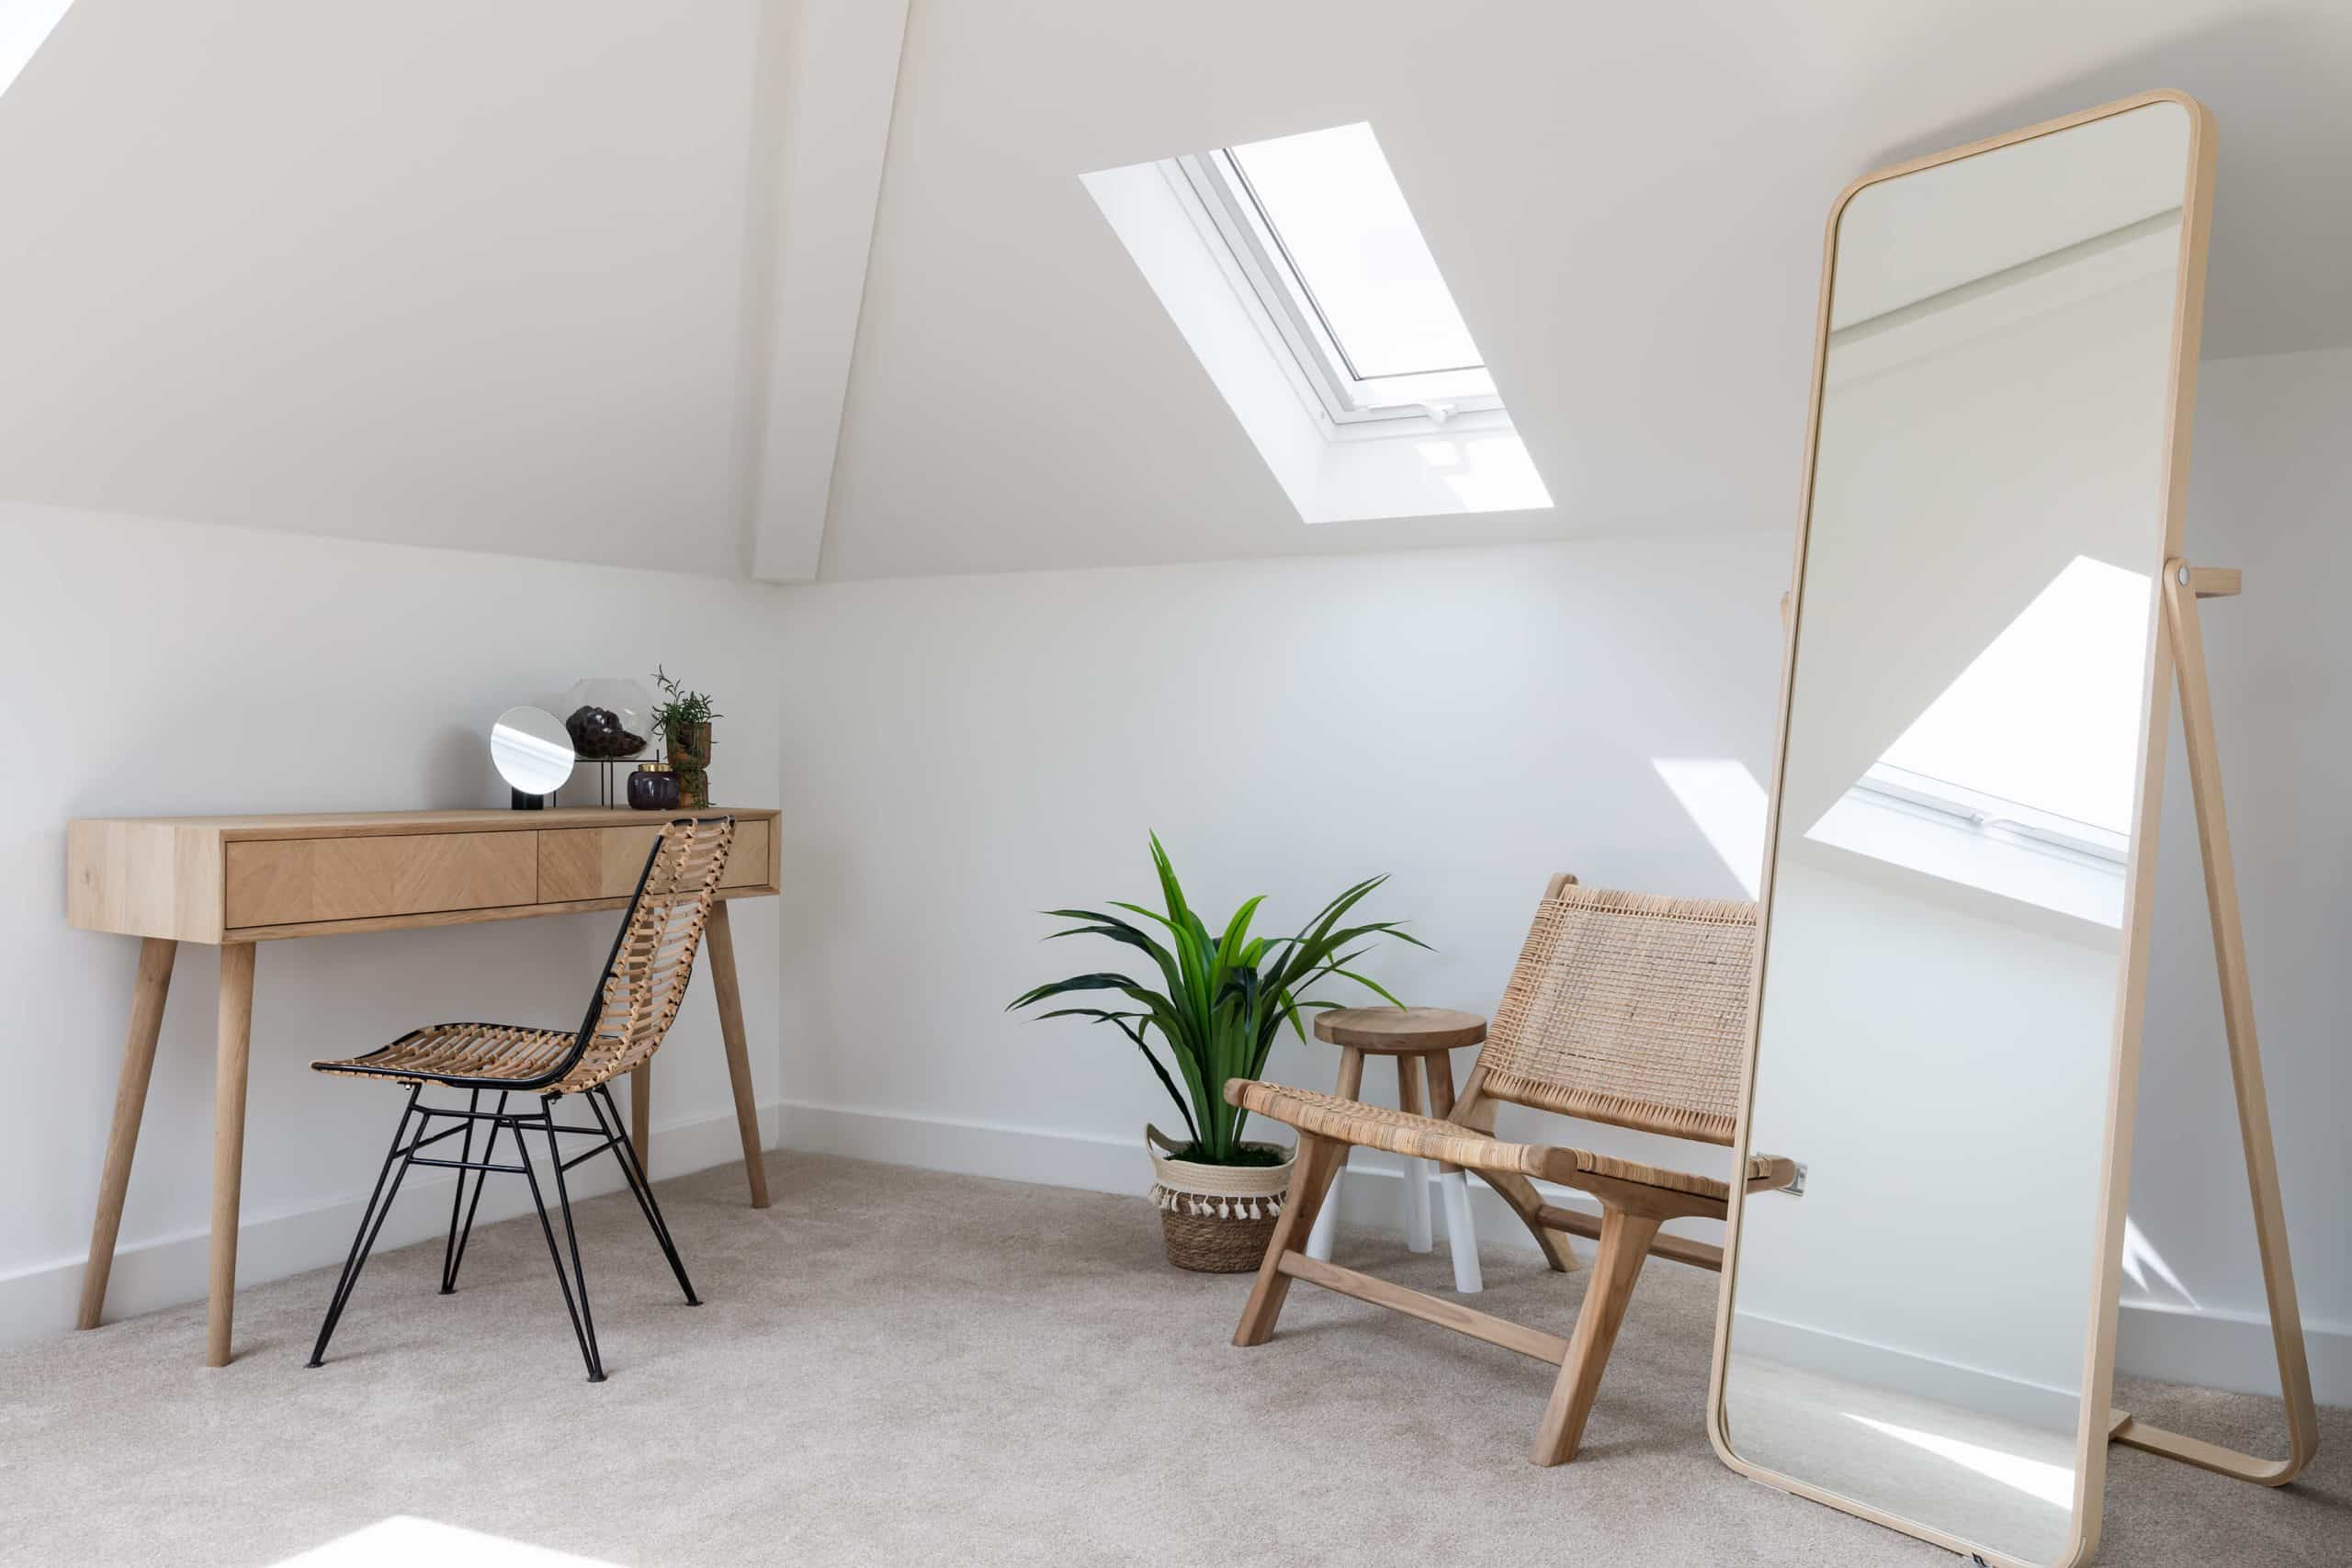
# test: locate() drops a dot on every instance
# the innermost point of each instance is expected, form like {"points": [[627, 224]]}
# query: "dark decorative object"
{"points": [[611, 718], [653, 787], [684, 718], [600, 732]]}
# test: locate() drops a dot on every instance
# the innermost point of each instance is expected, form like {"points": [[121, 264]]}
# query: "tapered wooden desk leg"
{"points": [[640, 1114], [739, 1052], [229, 1139], [155, 955]]}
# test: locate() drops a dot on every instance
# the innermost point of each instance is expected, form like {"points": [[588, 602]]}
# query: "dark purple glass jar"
{"points": [[653, 787]]}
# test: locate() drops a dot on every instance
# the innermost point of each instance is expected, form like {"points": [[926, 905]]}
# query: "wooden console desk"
{"points": [[234, 882]]}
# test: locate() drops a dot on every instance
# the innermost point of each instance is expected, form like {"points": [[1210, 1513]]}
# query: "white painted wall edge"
{"points": [[2224, 1350], [846, 85], [166, 1271]]}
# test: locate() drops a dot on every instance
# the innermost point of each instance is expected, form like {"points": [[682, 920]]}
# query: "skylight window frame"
{"points": [[1995, 816], [1429, 399]]}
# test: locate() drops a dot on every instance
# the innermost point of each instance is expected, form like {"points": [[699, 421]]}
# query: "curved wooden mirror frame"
{"points": [[2097, 1422]]}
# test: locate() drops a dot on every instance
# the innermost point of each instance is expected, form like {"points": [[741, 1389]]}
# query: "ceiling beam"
{"points": [[845, 81]]}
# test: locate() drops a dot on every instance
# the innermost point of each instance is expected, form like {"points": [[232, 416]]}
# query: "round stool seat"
{"points": [[1399, 1031]]}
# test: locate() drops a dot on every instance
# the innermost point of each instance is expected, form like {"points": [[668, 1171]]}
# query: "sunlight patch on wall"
{"points": [[24, 26], [2142, 1263], [1727, 804], [403, 1540]]}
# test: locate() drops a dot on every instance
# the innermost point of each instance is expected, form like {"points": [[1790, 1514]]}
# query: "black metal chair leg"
{"points": [[457, 1198], [600, 1101], [489, 1156], [584, 1327], [571, 1236], [372, 1221]]}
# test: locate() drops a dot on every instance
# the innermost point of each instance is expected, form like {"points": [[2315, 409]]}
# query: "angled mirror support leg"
{"points": [[2183, 586]]}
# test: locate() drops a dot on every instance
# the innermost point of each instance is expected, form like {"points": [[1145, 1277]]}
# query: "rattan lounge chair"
{"points": [[636, 998], [1626, 1008]]}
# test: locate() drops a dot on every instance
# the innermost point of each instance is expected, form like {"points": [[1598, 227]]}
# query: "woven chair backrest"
{"points": [[653, 957], [1628, 1009]]}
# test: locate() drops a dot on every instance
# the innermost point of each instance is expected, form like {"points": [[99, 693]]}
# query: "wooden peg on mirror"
{"points": [[2211, 581]]}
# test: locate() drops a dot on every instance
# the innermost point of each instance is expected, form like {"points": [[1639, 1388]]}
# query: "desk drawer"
{"points": [[605, 862], [275, 882]]}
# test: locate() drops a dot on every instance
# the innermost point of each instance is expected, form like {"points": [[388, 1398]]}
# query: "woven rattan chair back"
{"points": [[653, 957], [1628, 1009]]}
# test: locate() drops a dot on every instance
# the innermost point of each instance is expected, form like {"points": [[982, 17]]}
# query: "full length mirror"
{"points": [[1949, 937]]}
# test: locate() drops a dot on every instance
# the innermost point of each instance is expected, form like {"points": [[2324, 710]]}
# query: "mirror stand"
{"points": [[2184, 585]]}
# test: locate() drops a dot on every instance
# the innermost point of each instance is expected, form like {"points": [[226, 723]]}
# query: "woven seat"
{"points": [[636, 1000], [1366, 1126], [1625, 1007], [491, 1056]]}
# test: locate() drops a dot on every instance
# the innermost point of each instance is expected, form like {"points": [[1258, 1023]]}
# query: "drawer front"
{"points": [[290, 881], [605, 862]]}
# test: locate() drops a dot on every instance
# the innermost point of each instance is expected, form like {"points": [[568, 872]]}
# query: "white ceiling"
{"points": [[1628, 203], [499, 275]]}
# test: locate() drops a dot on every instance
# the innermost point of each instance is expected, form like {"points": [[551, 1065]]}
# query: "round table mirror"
{"points": [[533, 754]]}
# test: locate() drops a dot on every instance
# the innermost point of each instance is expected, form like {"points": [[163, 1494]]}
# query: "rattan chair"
{"points": [[1625, 1007], [636, 998]]}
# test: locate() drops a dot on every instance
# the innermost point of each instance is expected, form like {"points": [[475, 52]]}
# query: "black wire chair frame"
{"points": [[414, 1134]]}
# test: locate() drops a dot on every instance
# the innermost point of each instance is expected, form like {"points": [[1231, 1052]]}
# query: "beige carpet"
{"points": [[897, 1366]]}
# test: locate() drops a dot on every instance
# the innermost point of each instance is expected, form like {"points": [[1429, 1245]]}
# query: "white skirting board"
{"points": [[2211, 1349], [155, 1273]]}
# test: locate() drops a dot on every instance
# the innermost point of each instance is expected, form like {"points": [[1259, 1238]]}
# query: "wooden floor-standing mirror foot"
{"points": [[1990, 605]]}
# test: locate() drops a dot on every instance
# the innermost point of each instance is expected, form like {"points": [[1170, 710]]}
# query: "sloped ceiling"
{"points": [[1627, 200], [495, 275], [440, 271]]}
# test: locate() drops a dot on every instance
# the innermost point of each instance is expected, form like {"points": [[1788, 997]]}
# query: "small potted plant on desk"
{"points": [[685, 719], [1226, 997]]}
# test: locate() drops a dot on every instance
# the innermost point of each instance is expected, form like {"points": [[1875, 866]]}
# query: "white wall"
{"points": [[964, 751], [159, 667]]}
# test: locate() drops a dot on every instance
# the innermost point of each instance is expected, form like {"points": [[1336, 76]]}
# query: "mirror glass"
{"points": [[531, 750], [1954, 823]]}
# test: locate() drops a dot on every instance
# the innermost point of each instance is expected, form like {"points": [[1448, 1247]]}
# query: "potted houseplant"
{"points": [[1221, 999], [685, 719]]}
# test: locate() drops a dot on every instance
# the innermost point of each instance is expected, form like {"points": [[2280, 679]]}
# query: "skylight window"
{"points": [[1299, 277], [1321, 232], [1334, 209]]}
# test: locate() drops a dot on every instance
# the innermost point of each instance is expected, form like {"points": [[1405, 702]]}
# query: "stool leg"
{"points": [[1327, 1218], [1460, 1235], [1327, 1221], [1417, 1171]]}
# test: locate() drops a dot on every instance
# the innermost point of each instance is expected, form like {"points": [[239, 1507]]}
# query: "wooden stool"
{"points": [[1417, 1038]]}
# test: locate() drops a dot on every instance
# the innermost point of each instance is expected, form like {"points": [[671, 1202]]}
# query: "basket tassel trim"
{"points": [[1201, 1205]]}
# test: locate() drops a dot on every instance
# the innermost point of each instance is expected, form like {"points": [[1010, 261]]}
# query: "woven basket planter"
{"points": [[1217, 1219]]}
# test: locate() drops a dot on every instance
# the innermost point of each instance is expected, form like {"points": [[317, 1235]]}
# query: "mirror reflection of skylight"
{"points": [[2019, 778], [1335, 206], [2048, 716]]}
